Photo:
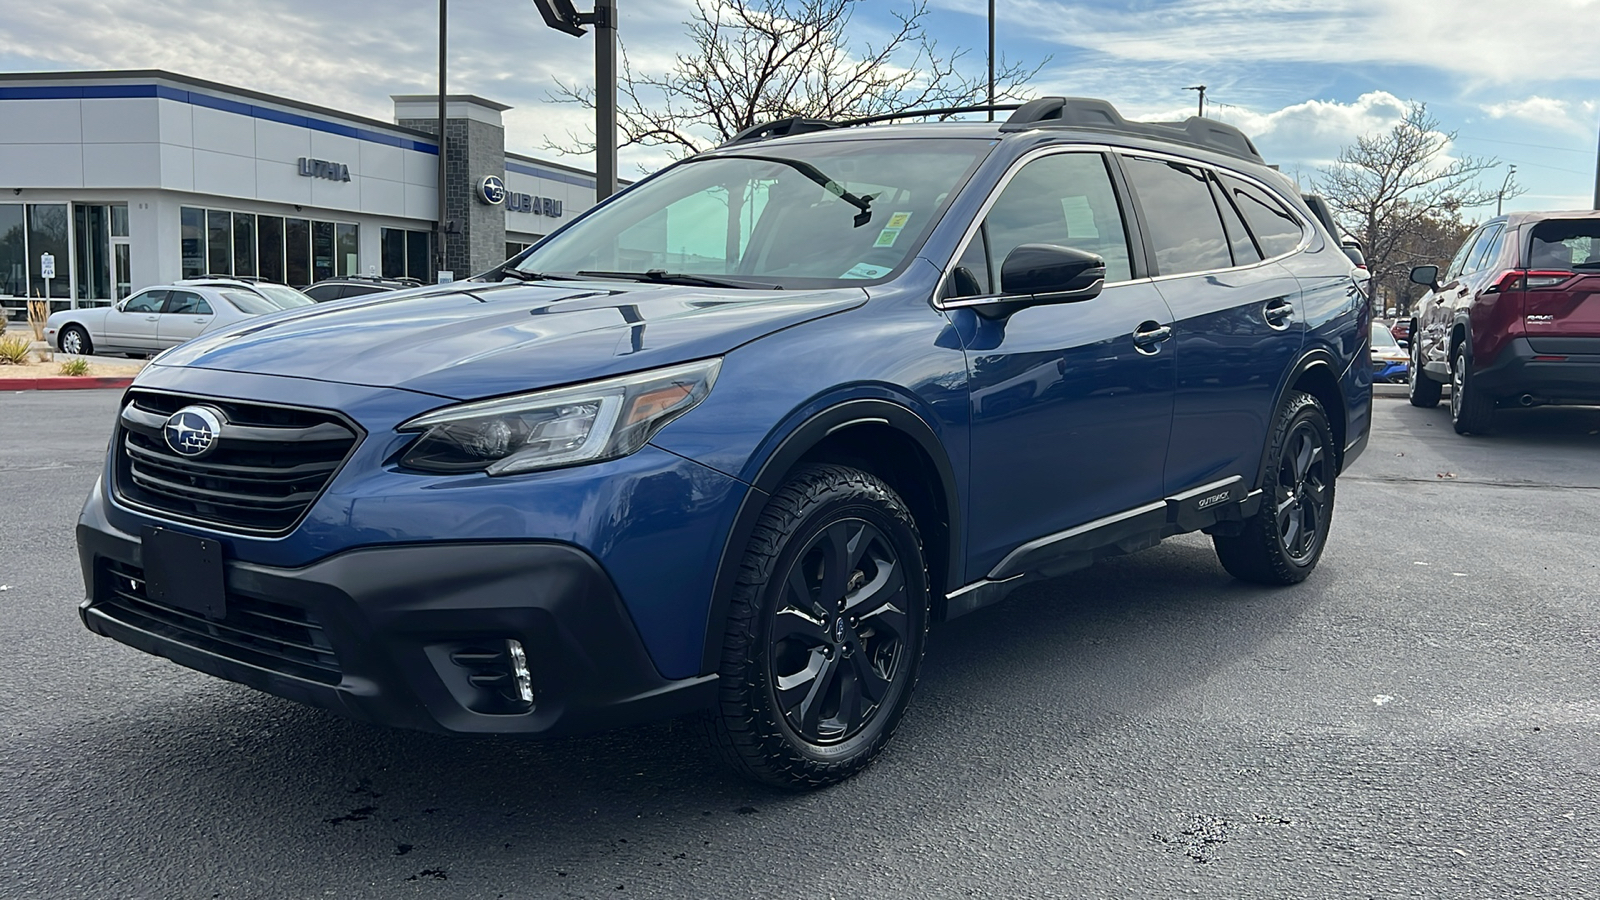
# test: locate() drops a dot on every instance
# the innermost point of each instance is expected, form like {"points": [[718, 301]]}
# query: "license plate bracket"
{"points": [[184, 572]]}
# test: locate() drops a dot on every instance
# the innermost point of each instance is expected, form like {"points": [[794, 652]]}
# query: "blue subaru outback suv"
{"points": [[728, 443]]}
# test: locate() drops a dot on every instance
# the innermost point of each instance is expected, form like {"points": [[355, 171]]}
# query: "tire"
{"points": [[1282, 542], [812, 682], [1424, 393], [1471, 411], [74, 340]]}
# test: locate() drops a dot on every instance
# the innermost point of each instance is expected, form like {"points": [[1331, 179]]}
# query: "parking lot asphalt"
{"points": [[1419, 719]]}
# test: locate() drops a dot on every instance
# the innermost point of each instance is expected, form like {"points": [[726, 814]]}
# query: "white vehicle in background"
{"points": [[166, 315]]}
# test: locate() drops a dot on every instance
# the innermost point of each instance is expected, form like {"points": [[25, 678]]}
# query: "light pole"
{"points": [[991, 61], [563, 16], [439, 227], [1202, 90], [1500, 197]]}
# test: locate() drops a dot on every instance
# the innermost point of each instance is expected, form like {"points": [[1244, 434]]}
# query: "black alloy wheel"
{"points": [[825, 631], [838, 638], [1424, 392], [1302, 497], [1470, 411], [1282, 542], [74, 341]]}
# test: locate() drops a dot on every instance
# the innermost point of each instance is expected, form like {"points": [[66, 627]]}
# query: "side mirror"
{"points": [[1404, 345], [121, 304], [1427, 276], [1036, 274]]}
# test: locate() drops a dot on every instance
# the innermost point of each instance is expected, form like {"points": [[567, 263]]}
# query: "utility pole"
{"points": [[1202, 91], [439, 227], [991, 62], [1597, 175], [1500, 198]]}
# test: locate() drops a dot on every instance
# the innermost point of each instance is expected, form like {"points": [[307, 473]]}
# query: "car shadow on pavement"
{"points": [[1005, 694]]}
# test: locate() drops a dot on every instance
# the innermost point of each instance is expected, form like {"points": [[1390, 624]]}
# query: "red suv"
{"points": [[1515, 319]]}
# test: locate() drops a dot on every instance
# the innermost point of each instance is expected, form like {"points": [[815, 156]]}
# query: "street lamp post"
{"points": [[439, 227], [1499, 199], [991, 60]]}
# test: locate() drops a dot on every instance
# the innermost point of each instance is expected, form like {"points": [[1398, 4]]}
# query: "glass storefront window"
{"points": [[244, 244], [194, 241], [321, 250], [124, 269], [269, 241], [13, 251], [219, 252], [47, 233], [119, 220], [91, 235], [392, 245], [297, 244], [349, 258], [419, 255]]}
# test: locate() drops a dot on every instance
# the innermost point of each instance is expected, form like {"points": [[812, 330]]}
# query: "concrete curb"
{"points": [[65, 383]]}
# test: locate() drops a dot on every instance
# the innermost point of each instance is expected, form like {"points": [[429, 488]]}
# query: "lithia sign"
{"points": [[323, 168], [491, 190]]}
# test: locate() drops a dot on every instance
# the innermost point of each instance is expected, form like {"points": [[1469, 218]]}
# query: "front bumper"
{"points": [[370, 633], [1547, 377]]}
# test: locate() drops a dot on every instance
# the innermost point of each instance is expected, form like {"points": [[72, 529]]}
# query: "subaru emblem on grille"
{"points": [[193, 431]]}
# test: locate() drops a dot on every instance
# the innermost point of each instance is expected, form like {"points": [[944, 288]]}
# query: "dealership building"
{"points": [[120, 180]]}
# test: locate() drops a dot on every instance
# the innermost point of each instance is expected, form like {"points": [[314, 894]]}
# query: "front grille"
{"points": [[268, 466], [276, 636]]}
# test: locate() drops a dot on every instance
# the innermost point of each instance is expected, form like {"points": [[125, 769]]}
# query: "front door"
{"points": [[1070, 417], [133, 325]]}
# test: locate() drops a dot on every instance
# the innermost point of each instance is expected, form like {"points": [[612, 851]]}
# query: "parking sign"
{"points": [[47, 265]]}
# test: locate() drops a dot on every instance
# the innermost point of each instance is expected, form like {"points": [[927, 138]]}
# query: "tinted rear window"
{"points": [[1565, 244], [1185, 229], [1276, 230]]}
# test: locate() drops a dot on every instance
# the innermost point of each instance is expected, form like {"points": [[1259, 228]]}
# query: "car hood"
{"points": [[469, 340]]}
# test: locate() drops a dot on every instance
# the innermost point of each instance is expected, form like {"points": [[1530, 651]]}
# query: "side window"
{"points": [[1479, 254], [1244, 249], [1185, 228], [322, 292], [147, 302], [1460, 260], [187, 303], [1065, 199], [1277, 231]]}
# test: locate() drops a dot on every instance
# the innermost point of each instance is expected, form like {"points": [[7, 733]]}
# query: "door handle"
{"points": [[199, 320], [1278, 313], [1148, 337], [151, 318]]}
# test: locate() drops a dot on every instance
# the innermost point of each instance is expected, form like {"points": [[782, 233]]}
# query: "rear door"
{"points": [[1238, 325], [1561, 305], [1438, 310], [186, 315]]}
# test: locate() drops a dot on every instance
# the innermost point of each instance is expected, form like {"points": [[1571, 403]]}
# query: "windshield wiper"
{"points": [[821, 178], [519, 275], [662, 276]]}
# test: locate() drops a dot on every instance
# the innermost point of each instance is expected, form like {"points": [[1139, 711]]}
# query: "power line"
{"points": [[1522, 144]]}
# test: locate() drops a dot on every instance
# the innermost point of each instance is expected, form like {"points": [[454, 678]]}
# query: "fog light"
{"points": [[519, 671]]}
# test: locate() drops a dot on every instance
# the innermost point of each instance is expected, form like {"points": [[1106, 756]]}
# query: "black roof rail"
{"points": [[919, 113], [781, 128], [1099, 115]]}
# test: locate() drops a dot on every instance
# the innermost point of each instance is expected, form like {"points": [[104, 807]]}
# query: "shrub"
{"points": [[75, 367], [14, 350]]}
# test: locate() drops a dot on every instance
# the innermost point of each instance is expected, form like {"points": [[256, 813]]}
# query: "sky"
{"points": [[1519, 83]]}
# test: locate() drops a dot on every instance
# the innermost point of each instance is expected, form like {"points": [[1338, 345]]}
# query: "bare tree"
{"points": [[1399, 195], [755, 61]]}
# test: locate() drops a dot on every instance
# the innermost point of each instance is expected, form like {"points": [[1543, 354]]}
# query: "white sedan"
{"points": [[164, 316]]}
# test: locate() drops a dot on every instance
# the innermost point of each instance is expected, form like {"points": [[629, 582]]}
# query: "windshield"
{"points": [[1382, 338], [254, 304], [282, 296], [799, 215]]}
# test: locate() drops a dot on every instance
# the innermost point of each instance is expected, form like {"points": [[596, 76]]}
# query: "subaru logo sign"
{"points": [[193, 431], [491, 190]]}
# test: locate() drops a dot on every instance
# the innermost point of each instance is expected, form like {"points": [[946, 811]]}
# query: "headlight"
{"points": [[562, 427]]}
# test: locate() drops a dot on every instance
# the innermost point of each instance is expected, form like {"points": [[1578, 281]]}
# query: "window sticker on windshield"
{"points": [[898, 220], [866, 270], [887, 237]]}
